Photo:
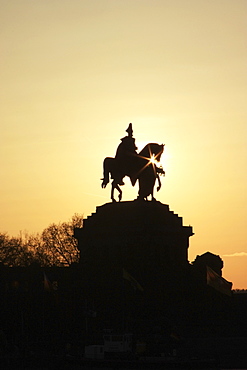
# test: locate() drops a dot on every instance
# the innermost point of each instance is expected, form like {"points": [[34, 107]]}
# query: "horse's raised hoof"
{"points": [[104, 183]]}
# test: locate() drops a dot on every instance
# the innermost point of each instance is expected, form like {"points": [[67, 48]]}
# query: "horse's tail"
{"points": [[106, 171]]}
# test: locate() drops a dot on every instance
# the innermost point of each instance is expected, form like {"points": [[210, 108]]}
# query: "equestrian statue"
{"points": [[139, 167]]}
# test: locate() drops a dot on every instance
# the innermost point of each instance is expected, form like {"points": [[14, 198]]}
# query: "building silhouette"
{"points": [[133, 277], [149, 242]]}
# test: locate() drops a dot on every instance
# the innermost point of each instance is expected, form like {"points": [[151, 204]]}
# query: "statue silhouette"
{"points": [[137, 166], [126, 152]]}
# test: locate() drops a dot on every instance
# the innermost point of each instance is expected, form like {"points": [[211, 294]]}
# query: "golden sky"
{"points": [[74, 73]]}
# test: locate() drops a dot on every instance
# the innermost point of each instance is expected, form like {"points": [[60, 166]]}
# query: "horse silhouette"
{"points": [[137, 166]]}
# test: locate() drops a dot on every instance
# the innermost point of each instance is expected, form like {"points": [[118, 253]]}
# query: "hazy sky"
{"points": [[74, 73]]}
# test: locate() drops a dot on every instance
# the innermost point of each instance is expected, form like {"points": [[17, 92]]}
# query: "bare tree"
{"points": [[58, 243], [55, 246], [13, 252], [34, 244]]}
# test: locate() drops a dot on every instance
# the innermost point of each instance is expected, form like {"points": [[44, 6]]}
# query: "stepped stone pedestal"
{"points": [[137, 227], [150, 243]]}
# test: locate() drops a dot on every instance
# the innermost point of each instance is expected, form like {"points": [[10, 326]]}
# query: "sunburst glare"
{"points": [[153, 159]]}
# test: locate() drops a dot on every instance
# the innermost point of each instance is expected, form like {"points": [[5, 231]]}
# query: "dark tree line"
{"points": [[55, 246]]}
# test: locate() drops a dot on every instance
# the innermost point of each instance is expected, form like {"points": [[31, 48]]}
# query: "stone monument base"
{"points": [[134, 259]]}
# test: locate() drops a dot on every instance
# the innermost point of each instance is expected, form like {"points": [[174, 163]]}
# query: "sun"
{"points": [[152, 159]]}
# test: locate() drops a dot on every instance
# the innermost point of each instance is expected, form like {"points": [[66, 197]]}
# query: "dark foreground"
{"points": [[197, 353]]}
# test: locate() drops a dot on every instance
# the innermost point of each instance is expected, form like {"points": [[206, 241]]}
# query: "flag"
{"points": [[47, 284], [132, 281], [217, 282]]}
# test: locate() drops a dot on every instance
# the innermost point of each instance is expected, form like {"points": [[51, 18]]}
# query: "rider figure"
{"points": [[124, 155]]}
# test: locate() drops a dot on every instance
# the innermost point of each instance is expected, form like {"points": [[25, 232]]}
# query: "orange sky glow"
{"points": [[74, 74]]}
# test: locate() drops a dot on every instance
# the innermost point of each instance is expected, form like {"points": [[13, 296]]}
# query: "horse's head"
{"points": [[156, 150], [152, 149]]}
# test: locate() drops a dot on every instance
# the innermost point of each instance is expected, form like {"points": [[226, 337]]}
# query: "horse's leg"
{"points": [[113, 185], [158, 188], [120, 192], [159, 182], [152, 192], [141, 195], [107, 169], [152, 195]]}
